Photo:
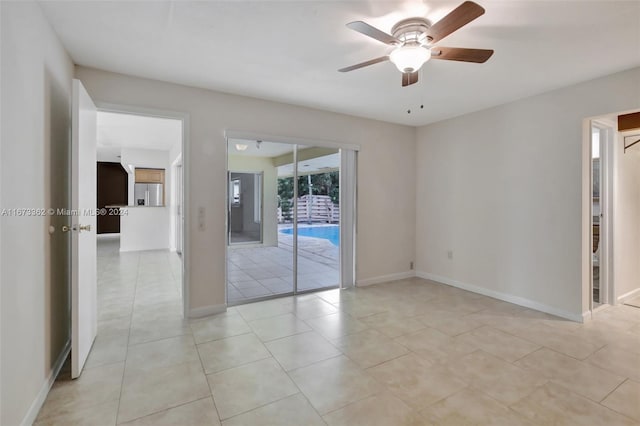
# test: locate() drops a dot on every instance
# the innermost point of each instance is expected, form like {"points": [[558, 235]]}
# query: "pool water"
{"points": [[331, 232]]}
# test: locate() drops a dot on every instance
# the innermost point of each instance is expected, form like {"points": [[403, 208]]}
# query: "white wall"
{"points": [[626, 212], [36, 89], [503, 189], [386, 172], [144, 228]]}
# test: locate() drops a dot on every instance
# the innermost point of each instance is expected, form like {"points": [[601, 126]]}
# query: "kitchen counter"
{"points": [[144, 228]]}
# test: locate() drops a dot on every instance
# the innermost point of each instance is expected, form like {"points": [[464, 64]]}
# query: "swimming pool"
{"points": [[330, 232]]}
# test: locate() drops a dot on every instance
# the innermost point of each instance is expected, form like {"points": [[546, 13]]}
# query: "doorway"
{"points": [[284, 219], [245, 207], [600, 167]]}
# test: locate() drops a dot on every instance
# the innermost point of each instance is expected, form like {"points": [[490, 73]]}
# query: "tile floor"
{"points": [[255, 272], [410, 352]]}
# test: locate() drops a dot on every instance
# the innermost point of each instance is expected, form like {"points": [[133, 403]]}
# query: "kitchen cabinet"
{"points": [[149, 175]]}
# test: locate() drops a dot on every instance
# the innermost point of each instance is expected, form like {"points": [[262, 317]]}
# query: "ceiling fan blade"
{"points": [[373, 32], [364, 64], [461, 54], [456, 19], [409, 78]]}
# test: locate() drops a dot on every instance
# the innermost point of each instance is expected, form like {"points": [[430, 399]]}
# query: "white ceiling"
{"points": [[289, 51], [313, 165], [116, 131]]}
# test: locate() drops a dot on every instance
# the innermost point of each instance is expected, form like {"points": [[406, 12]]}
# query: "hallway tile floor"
{"points": [[410, 352]]}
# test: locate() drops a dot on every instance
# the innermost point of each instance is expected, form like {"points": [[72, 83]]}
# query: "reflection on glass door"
{"points": [[245, 207], [318, 218], [259, 263]]}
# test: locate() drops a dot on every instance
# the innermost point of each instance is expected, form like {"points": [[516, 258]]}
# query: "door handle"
{"points": [[80, 228]]}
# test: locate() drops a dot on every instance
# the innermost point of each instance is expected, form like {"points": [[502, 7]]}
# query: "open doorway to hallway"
{"points": [[139, 263], [614, 232], [284, 219]]}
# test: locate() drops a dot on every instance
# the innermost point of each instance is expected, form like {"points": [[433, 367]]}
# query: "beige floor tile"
{"points": [[233, 351], [103, 414], [563, 341], [416, 381], [377, 410], [148, 391], [503, 345], [334, 383], [269, 308], [312, 308], [336, 325], [625, 400], [499, 379], [301, 350], [452, 326], [197, 413], [162, 353], [277, 327], [94, 387], [359, 309], [108, 349], [434, 344], [291, 411], [393, 325], [618, 361], [156, 329], [369, 348], [554, 405], [250, 386], [218, 327], [111, 326], [577, 376], [472, 407]]}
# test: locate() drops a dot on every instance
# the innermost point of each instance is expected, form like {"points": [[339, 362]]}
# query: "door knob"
{"points": [[85, 228], [65, 228]]}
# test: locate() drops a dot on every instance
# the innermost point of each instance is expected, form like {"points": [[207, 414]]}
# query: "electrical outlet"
{"points": [[450, 254], [411, 265]]}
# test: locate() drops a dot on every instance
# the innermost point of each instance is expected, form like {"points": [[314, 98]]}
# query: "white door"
{"points": [[84, 299]]}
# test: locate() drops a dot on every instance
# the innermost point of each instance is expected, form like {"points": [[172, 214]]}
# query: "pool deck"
{"points": [[255, 272]]}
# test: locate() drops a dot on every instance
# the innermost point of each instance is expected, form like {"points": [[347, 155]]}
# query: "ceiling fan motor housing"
{"points": [[412, 31]]}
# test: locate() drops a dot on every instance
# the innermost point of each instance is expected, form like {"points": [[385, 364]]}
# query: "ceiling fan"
{"points": [[413, 40]]}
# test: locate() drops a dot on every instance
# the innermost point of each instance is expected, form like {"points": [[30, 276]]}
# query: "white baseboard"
{"points": [[205, 311], [516, 300], [37, 403], [384, 278], [630, 295]]}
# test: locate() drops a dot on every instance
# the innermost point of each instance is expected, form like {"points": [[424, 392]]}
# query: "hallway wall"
{"points": [[36, 91]]}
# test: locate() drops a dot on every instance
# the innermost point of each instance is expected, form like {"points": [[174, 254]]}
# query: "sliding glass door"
{"points": [[284, 219], [318, 220]]}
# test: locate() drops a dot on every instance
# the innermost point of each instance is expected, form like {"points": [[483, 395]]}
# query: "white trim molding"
{"points": [[517, 300], [37, 403], [205, 311], [385, 278], [627, 296]]}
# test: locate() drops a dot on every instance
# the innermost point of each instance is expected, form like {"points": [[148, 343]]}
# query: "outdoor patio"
{"points": [[255, 272]]}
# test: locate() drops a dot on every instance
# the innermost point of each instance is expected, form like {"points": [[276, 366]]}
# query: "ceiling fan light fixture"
{"points": [[410, 58]]}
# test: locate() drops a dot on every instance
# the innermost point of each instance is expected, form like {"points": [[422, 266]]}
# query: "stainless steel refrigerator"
{"points": [[148, 194]]}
